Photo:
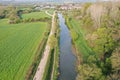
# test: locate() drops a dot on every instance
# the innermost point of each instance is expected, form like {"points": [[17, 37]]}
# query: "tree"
{"points": [[89, 72], [104, 43], [115, 61], [13, 16], [85, 8], [2, 12], [74, 35], [96, 12], [52, 41]]}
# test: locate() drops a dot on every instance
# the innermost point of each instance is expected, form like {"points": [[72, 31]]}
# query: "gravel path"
{"points": [[40, 70]]}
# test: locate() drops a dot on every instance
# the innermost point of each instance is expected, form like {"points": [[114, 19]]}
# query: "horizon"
{"points": [[61, 1]]}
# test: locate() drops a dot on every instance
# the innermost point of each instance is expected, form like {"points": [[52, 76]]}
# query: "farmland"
{"points": [[54, 40], [18, 47], [35, 15], [51, 11]]}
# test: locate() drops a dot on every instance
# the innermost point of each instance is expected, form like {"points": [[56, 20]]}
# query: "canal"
{"points": [[67, 57]]}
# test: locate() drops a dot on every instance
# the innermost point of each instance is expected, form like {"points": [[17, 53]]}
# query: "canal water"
{"points": [[67, 57]]}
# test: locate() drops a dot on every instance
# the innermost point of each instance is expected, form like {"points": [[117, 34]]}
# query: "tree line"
{"points": [[101, 23], [104, 39], [15, 15]]}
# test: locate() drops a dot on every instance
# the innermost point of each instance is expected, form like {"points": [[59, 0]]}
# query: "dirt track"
{"points": [[40, 70]]}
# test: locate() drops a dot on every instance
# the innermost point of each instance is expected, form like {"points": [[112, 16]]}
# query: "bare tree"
{"points": [[96, 11]]}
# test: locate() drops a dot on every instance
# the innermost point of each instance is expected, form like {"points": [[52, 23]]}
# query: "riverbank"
{"points": [[52, 71], [94, 45], [82, 49], [38, 57], [41, 68], [55, 69]]}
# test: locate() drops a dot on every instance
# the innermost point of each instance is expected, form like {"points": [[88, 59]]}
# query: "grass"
{"points": [[51, 11], [56, 63], [51, 69], [18, 45], [49, 65], [56, 52], [81, 43], [35, 15]]}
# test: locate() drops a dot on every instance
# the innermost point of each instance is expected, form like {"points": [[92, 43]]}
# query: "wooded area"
{"points": [[100, 23]]}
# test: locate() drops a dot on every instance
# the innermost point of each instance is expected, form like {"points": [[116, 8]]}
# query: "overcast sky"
{"points": [[61, 0], [51, 0]]}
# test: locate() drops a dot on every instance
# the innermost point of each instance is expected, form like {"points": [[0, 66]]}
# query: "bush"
{"points": [[74, 35], [52, 41]]}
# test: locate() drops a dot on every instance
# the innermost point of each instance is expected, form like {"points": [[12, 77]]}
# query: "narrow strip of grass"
{"points": [[37, 59], [56, 64], [49, 65], [80, 43], [51, 70], [56, 56], [39, 53]]}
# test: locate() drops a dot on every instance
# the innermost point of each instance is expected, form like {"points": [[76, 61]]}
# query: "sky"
{"points": [[59, 0], [52, 0]]}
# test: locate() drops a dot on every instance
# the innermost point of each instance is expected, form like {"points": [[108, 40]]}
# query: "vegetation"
{"points": [[38, 57], [2, 12], [51, 11], [49, 65], [97, 29], [56, 52], [35, 15], [95, 32], [51, 71], [15, 55], [78, 38], [24, 15], [21, 44], [14, 16]]}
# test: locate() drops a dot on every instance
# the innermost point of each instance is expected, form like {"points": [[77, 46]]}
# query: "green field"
{"points": [[51, 11], [35, 15], [18, 45]]}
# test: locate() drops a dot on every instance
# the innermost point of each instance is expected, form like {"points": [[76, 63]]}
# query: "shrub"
{"points": [[74, 35]]}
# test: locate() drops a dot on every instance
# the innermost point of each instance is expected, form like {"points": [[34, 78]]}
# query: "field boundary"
{"points": [[43, 62], [37, 58]]}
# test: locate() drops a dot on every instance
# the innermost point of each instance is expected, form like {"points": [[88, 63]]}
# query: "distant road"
{"points": [[41, 68]]}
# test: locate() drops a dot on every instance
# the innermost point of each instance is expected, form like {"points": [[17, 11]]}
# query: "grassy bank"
{"points": [[81, 45], [37, 58], [56, 54], [49, 65], [95, 32], [51, 70]]}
